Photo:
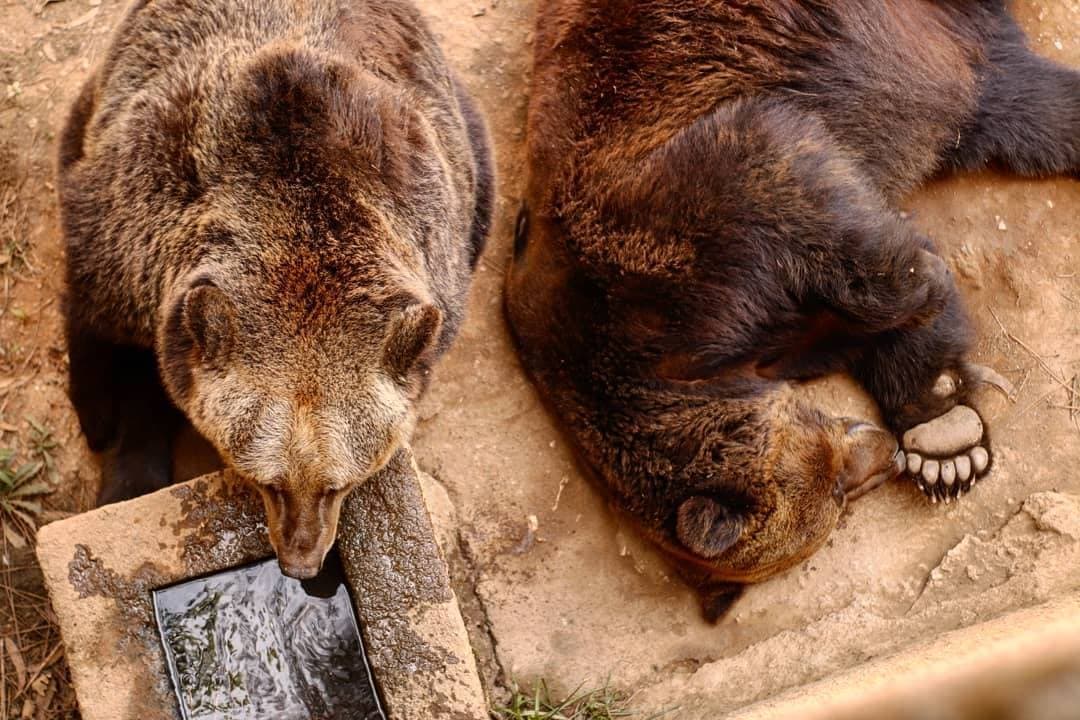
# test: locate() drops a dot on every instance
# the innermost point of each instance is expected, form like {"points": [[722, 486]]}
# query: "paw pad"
{"points": [[946, 455], [945, 386]]}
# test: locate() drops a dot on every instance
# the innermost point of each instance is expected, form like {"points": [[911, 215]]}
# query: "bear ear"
{"points": [[210, 321], [412, 333], [706, 527]]}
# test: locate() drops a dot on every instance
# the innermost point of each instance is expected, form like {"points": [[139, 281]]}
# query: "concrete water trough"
{"points": [[113, 572]]}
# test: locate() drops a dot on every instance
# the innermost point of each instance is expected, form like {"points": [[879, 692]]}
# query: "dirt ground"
{"points": [[553, 585]]}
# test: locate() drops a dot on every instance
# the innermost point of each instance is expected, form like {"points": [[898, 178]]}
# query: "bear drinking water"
{"points": [[272, 212]]}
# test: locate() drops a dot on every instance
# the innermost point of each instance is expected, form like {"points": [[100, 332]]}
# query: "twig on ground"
{"points": [[1032, 406], [1037, 357], [52, 657], [1074, 401], [1023, 383], [1072, 390]]}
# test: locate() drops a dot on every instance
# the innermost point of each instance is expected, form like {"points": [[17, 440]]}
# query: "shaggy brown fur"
{"points": [[710, 215], [272, 213]]}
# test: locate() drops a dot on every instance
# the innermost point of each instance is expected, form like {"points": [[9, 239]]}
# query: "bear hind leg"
{"points": [[1027, 120]]}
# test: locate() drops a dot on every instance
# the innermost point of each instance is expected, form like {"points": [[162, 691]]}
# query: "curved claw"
{"points": [[988, 376], [949, 478]]}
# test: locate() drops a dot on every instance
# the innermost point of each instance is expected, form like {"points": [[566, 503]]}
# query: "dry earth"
{"points": [[553, 584]]}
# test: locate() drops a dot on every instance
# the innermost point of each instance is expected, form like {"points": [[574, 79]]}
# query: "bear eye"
{"points": [[335, 488]]}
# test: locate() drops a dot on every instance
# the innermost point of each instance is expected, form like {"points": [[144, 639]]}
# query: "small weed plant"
{"points": [[603, 703]]}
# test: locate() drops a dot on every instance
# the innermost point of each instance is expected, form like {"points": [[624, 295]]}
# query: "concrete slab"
{"points": [[1021, 665], [100, 569]]}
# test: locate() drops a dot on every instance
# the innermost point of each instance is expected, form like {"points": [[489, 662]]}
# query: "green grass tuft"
{"points": [[23, 484], [603, 703]]}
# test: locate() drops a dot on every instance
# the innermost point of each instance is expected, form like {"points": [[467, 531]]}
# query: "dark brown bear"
{"points": [[710, 216], [272, 213]]}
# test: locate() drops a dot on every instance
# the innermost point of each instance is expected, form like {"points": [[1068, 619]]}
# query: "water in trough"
{"points": [[250, 643]]}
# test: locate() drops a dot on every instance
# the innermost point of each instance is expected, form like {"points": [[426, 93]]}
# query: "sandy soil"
{"points": [[553, 584]]}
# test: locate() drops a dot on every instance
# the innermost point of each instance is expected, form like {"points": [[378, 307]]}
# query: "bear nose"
{"points": [[300, 565], [871, 459], [301, 554], [301, 571]]}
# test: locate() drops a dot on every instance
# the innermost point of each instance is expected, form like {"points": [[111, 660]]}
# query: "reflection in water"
{"points": [[252, 644]]}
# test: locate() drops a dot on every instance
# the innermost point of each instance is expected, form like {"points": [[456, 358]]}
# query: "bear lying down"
{"points": [[711, 216]]}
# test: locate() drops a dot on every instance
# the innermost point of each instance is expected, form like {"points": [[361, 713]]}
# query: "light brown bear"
{"points": [[272, 212]]}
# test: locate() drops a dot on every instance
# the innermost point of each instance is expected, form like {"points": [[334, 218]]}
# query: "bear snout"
{"points": [[301, 555], [302, 529]]}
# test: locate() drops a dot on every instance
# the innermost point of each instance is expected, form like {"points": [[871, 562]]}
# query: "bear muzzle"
{"points": [[302, 528]]}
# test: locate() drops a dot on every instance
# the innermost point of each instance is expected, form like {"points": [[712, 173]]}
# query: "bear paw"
{"points": [[946, 455]]}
